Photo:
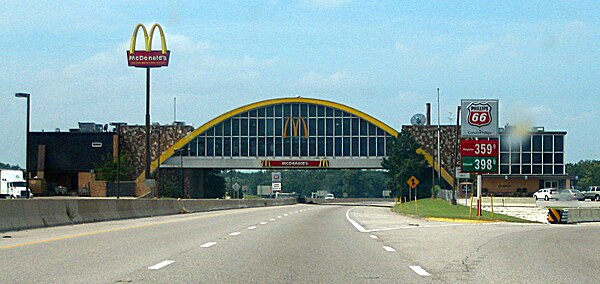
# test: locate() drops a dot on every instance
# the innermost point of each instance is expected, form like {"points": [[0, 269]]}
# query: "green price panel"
{"points": [[479, 164]]}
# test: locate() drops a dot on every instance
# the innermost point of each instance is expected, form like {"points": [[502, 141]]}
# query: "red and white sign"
{"points": [[293, 163], [148, 58], [480, 114], [479, 148]]}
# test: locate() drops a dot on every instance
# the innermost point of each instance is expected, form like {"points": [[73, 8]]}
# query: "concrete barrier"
{"points": [[37, 213]]}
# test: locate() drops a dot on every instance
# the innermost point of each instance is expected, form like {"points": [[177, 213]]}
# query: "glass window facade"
{"points": [[295, 130], [536, 154]]}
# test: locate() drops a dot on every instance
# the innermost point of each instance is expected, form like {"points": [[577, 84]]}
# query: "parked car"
{"points": [[592, 193], [329, 196], [570, 194], [545, 193]]}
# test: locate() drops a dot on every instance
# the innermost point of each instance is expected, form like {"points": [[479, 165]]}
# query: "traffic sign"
{"points": [[276, 186], [275, 177], [413, 182], [488, 165]]}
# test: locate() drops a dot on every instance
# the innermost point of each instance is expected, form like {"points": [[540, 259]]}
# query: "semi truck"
{"points": [[12, 185]]}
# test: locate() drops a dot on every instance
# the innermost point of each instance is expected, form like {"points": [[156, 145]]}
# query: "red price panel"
{"points": [[479, 148]]}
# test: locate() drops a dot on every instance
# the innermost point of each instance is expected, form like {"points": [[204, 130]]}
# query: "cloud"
{"points": [[402, 48], [324, 4], [313, 80]]}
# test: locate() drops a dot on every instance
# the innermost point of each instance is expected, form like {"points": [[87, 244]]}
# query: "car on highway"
{"points": [[592, 193], [570, 194], [329, 196], [545, 193]]}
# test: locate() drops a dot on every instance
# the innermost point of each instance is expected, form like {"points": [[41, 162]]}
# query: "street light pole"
{"points": [[439, 154], [27, 96]]}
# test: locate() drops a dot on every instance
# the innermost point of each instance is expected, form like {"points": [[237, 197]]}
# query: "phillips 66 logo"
{"points": [[480, 114]]}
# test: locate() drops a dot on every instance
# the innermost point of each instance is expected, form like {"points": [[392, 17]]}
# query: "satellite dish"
{"points": [[418, 119]]}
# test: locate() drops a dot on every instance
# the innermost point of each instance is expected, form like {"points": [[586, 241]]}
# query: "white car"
{"points": [[329, 196], [545, 193]]}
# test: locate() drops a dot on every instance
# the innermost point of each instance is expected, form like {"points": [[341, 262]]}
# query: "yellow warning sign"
{"points": [[412, 182]]}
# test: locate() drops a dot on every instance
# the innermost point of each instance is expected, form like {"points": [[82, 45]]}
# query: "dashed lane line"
{"points": [[207, 245], [373, 237], [263, 223], [251, 227], [389, 249], [235, 234], [160, 265], [420, 271]]}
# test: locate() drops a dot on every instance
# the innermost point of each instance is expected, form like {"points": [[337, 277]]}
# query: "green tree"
{"points": [[403, 162], [107, 171], [585, 173]]}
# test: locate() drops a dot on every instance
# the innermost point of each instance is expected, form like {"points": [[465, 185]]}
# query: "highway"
{"points": [[300, 244]]}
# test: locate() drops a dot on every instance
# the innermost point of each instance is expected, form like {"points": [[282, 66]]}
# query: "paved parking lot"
{"points": [[527, 208]]}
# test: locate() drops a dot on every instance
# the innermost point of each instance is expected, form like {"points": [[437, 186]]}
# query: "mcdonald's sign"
{"points": [[295, 127], [148, 58], [295, 163]]}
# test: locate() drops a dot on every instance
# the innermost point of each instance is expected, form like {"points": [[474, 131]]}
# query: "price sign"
{"points": [[479, 164], [479, 148]]}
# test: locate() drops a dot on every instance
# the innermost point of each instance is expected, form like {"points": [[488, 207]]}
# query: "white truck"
{"points": [[12, 184]]}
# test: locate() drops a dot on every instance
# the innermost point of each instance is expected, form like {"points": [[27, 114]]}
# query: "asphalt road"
{"points": [[300, 244]]}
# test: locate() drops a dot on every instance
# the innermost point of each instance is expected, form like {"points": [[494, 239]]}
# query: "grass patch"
{"points": [[439, 208]]}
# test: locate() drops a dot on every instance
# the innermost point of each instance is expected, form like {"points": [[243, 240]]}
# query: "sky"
{"points": [[540, 59]]}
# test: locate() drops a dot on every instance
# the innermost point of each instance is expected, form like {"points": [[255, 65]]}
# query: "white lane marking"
{"points": [[285, 215], [278, 217], [263, 223], [390, 249], [419, 270], [373, 237], [354, 223], [235, 234], [272, 220], [252, 228], [207, 245], [161, 265], [296, 212]]}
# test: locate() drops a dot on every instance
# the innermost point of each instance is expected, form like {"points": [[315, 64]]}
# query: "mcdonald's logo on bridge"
{"points": [[295, 163], [295, 127], [148, 58]]}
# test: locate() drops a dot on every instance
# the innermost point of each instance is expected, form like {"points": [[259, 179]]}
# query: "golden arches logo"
{"points": [[295, 127], [148, 57]]}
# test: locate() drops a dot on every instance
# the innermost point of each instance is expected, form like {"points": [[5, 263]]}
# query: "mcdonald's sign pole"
{"points": [[148, 58]]}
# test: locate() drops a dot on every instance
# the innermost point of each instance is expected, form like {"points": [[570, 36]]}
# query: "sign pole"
{"points": [[479, 182]]}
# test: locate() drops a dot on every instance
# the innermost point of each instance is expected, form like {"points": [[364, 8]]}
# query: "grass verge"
{"points": [[438, 208]]}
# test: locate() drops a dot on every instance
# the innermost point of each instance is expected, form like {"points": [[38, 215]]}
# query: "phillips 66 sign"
{"points": [[479, 118]]}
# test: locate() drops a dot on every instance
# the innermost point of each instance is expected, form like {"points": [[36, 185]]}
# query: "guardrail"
{"points": [[573, 215], [21, 214]]}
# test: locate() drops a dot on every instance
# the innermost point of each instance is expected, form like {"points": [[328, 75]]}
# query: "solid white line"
{"points": [[354, 223], [390, 249], [419, 270], [235, 234], [263, 223], [207, 245], [373, 237], [161, 265], [252, 228]]}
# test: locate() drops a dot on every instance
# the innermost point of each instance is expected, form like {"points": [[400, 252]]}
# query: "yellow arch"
{"points": [[171, 151]]}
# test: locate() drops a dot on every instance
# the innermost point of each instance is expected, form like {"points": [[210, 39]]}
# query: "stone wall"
{"points": [[426, 136], [133, 142]]}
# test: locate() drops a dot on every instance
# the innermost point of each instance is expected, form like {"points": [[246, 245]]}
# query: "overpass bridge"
{"points": [[284, 133]]}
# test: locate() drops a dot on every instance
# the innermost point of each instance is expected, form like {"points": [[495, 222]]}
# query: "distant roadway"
{"points": [[300, 244]]}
